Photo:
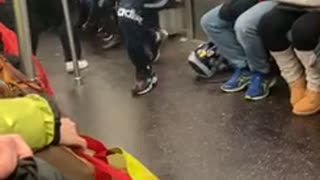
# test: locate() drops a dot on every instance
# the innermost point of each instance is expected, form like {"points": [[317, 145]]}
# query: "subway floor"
{"points": [[186, 129]]}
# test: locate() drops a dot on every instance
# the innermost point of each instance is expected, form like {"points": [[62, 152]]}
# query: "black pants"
{"points": [[276, 24], [46, 14], [63, 36], [137, 25], [108, 17]]}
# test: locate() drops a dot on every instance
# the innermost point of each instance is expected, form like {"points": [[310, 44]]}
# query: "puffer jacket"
{"points": [[35, 118]]}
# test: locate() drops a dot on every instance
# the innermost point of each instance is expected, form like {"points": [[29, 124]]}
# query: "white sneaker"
{"points": [[83, 64]]}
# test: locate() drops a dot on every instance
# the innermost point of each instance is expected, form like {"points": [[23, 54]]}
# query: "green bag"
{"points": [[31, 117]]}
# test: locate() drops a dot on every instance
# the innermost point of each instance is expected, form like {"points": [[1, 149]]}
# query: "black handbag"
{"points": [[232, 9], [35, 169], [26, 170]]}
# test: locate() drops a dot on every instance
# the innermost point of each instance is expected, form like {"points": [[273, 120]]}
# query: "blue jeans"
{"points": [[238, 41]]}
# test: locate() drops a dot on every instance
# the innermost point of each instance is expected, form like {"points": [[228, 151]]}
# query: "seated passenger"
{"points": [[296, 59], [236, 37]]}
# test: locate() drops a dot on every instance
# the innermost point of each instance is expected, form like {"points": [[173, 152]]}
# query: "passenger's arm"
{"points": [[38, 121], [32, 117], [12, 150]]}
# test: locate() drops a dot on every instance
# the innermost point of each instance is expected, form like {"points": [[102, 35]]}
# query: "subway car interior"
{"points": [[186, 128]]}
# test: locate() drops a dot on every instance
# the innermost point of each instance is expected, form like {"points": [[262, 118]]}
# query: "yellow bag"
{"points": [[121, 160]]}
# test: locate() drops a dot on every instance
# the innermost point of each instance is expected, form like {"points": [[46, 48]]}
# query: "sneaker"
{"points": [[238, 81], [259, 87], [83, 64], [145, 82], [161, 36], [111, 42], [107, 37]]}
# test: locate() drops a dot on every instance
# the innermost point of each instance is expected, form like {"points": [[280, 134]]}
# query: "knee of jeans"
{"points": [[208, 22], [243, 27], [204, 22]]}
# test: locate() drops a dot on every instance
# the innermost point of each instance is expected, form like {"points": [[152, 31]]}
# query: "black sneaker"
{"points": [[111, 42], [161, 36], [145, 82]]}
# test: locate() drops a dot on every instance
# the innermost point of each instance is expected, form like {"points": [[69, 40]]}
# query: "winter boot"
{"points": [[310, 103], [292, 72]]}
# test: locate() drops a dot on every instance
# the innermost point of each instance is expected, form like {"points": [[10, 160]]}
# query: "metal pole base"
{"points": [[78, 81]]}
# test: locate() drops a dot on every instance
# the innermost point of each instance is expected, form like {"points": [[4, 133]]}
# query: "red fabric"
{"points": [[103, 171], [10, 43]]}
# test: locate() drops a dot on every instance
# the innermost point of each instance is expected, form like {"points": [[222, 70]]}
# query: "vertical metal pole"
{"points": [[77, 75], [189, 18], [23, 30]]}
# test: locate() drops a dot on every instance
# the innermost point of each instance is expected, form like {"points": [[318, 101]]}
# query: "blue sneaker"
{"points": [[259, 87], [238, 81]]}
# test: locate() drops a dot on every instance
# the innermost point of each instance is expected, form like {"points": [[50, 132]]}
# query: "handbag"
{"points": [[10, 47], [14, 83], [304, 3], [115, 162], [96, 162]]}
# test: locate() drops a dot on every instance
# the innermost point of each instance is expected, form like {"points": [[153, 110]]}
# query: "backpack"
{"points": [[13, 83]]}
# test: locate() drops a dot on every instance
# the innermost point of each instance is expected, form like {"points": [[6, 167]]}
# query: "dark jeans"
{"points": [[276, 24], [137, 25]]}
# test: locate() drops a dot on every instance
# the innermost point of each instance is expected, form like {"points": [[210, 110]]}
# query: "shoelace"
{"points": [[235, 75], [256, 81]]}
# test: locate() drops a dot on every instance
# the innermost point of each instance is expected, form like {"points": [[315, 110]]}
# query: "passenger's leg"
{"points": [[222, 34], [110, 29], [305, 36], [131, 23], [154, 36], [62, 30], [273, 29], [246, 28]]}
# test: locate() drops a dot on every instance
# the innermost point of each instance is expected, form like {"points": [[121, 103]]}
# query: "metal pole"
{"points": [[77, 75], [189, 21], [23, 30]]}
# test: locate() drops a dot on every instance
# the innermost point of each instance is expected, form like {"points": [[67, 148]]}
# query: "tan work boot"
{"points": [[297, 90], [310, 104]]}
